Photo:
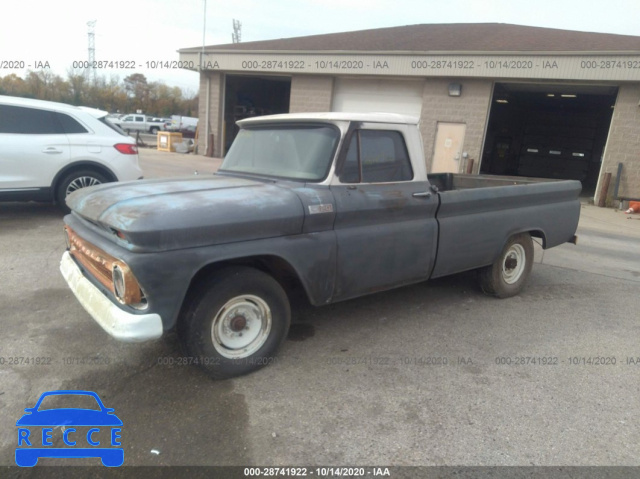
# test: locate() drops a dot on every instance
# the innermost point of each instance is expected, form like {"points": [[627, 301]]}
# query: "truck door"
{"points": [[385, 217]]}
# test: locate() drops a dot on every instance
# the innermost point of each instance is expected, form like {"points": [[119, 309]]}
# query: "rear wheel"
{"points": [[235, 322], [508, 275], [76, 180]]}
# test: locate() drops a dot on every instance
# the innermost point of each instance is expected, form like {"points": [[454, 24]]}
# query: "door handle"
{"points": [[423, 194], [52, 150]]}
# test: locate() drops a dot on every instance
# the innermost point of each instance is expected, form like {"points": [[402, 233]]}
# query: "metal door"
{"points": [[448, 147], [386, 231]]}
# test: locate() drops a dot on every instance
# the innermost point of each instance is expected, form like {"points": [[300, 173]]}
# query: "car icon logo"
{"points": [[84, 431]]}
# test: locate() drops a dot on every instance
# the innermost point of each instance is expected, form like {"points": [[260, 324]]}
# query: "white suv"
{"points": [[48, 150]]}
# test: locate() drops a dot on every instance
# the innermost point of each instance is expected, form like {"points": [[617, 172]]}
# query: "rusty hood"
{"points": [[177, 213]]}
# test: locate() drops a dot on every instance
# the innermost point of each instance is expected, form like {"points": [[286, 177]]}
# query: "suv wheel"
{"points": [[76, 180]]}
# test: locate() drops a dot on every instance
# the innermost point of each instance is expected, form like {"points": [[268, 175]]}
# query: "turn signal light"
{"points": [[126, 148]]}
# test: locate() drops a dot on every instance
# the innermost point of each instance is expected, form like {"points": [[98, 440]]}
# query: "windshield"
{"points": [[294, 152]]}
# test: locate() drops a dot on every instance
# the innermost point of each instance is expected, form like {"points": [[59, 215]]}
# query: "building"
{"points": [[492, 98]]}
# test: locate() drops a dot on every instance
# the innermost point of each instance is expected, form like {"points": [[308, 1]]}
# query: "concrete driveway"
{"points": [[432, 374]]}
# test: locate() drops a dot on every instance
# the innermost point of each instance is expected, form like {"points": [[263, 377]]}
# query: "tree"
{"points": [[137, 90], [78, 86], [12, 85], [110, 94]]}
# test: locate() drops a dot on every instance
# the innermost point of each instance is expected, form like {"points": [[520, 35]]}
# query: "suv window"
{"points": [[28, 121], [113, 126], [70, 125], [376, 156]]}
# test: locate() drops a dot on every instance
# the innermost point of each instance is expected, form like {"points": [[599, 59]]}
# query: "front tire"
{"points": [[235, 322], [507, 276]]}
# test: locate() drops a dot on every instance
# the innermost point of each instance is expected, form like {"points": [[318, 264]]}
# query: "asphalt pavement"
{"points": [[431, 374]]}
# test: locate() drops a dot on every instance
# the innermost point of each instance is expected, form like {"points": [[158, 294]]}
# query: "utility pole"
{"points": [[236, 36], [91, 72]]}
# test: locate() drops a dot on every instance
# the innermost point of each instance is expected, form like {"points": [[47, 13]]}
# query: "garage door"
{"points": [[386, 96]]}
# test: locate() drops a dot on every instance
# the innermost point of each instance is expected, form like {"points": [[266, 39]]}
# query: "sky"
{"points": [[141, 31]]}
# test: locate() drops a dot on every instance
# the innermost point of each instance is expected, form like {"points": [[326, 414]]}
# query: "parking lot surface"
{"points": [[431, 374]]}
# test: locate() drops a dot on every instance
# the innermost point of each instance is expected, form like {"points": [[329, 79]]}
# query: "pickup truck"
{"points": [[147, 124], [333, 205]]}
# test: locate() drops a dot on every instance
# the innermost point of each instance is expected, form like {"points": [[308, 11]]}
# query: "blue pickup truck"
{"points": [[335, 205]]}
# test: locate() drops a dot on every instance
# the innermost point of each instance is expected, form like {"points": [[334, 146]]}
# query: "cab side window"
{"points": [[376, 156]]}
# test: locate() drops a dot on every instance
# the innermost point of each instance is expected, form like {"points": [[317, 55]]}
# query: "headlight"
{"points": [[119, 286]]}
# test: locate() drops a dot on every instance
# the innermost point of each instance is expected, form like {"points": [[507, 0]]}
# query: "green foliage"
{"points": [[110, 94]]}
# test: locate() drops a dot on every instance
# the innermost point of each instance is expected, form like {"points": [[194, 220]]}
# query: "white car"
{"points": [[48, 150]]}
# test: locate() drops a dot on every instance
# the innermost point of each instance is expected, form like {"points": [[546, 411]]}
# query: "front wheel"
{"points": [[507, 276], [235, 322]]}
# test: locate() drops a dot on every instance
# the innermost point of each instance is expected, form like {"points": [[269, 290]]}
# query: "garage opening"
{"points": [[248, 96], [548, 131]]}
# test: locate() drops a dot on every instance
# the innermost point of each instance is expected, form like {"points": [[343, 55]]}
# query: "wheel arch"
{"points": [[275, 266], [540, 234], [533, 232], [98, 167]]}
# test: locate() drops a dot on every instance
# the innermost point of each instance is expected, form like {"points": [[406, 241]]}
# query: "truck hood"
{"points": [[156, 215]]}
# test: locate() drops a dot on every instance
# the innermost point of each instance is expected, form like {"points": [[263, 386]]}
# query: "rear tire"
{"points": [[508, 275], [74, 181], [234, 323]]}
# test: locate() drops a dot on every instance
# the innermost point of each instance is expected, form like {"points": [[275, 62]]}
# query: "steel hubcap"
{"points": [[241, 326], [81, 182], [238, 323], [513, 264]]}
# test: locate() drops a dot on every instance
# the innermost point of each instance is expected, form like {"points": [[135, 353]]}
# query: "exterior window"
{"points": [[69, 125], [28, 121], [376, 156], [301, 152]]}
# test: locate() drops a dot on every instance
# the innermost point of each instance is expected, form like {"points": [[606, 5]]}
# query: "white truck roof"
{"points": [[334, 116]]}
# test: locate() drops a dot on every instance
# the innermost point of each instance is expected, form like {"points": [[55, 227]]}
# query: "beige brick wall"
{"points": [[311, 93], [623, 144], [215, 85], [471, 108]]}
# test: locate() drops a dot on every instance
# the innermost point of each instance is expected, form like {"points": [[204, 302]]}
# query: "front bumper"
{"points": [[118, 323]]}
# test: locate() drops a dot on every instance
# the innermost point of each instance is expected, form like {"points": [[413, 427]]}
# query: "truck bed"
{"points": [[477, 214], [454, 181]]}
